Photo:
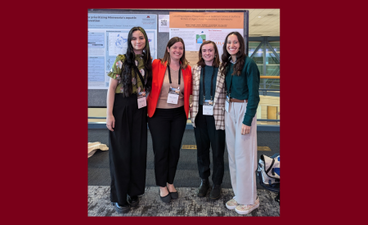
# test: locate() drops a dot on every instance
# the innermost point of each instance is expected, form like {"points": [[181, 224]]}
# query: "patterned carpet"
{"points": [[188, 204]]}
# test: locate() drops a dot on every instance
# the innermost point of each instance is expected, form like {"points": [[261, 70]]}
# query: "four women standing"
{"points": [[213, 111]]}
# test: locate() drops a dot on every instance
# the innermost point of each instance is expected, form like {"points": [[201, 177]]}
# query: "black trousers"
{"points": [[128, 149], [167, 127], [207, 136]]}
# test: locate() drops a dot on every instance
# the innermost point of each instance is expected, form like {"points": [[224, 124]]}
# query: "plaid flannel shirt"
{"points": [[219, 99]]}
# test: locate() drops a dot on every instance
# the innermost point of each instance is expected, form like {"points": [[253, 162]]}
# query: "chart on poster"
{"points": [[107, 38]]}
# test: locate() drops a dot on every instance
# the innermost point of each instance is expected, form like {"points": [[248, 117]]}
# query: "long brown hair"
{"points": [[166, 58], [216, 60], [240, 56]]}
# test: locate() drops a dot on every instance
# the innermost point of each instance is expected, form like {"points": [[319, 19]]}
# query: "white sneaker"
{"points": [[231, 204], [245, 209]]}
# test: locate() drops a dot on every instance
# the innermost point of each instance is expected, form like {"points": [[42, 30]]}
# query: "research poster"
{"points": [[107, 37], [196, 27]]}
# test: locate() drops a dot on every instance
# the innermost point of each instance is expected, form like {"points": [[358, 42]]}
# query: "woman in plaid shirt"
{"points": [[208, 118]]}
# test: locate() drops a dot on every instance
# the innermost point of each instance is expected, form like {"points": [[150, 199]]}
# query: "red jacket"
{"points": [[158, 74]]}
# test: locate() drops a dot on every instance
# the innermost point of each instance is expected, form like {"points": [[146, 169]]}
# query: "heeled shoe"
{"points": [[166, 198], [174, 195]]}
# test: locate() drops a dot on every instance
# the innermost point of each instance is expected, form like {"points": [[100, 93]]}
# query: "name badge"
{"points": [[208, 108], [173, 97], [227, 103], [142, 101]]}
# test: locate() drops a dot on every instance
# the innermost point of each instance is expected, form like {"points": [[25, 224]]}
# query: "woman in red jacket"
{"points": [[168, 107]]}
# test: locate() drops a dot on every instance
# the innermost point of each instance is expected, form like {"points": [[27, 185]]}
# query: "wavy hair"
{"points": [[216, 60], [166, 58], [129, 64], [240, 56]]}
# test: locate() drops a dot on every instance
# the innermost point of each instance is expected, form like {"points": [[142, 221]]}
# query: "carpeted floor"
{"points": [[186, 181], [187, 171], [188, 204]]}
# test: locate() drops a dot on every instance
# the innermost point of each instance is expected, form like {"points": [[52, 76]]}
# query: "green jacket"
{"points": [[245, 86]]}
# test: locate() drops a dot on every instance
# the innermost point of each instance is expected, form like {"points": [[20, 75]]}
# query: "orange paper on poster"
{"points": [[211, 20]]}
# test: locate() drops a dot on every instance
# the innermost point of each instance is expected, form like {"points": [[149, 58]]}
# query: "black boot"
{"points": [[121, 209], [133, 201], [216, 192], [203, 188]]}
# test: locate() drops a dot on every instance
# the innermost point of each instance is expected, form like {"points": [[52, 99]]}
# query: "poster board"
{"points": [[106, 37]]}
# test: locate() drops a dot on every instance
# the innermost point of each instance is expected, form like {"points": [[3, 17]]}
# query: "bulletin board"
{"points": [[108, 29]]}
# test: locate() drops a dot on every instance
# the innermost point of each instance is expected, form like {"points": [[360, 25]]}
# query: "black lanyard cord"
{"points": [[140, 77], [135, 68], [170, 75], [231, 80], [204, 90]]}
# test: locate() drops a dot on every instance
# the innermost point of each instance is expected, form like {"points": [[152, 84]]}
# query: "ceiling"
{"points": [[264, 22]]}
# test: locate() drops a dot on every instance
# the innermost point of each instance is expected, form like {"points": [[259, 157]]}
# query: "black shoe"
{"points": [[215, 192], [133, 201], [121, 209], [203, 188], [166, 198], [174, 195]]}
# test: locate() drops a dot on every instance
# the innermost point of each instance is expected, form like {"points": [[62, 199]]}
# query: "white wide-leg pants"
{"points": [[242, 152]]}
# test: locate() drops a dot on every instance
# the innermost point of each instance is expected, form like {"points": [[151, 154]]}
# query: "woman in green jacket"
{"points": [[242, 98]]}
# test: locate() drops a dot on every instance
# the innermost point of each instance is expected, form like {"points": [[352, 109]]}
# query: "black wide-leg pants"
{"points": [[128, 149], [167, 127], [207, 136]]}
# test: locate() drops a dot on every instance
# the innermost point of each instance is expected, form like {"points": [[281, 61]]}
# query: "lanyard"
{"points": [[231, 80], [204, 90], [139, 74], [140, 77], [170, 75]]}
